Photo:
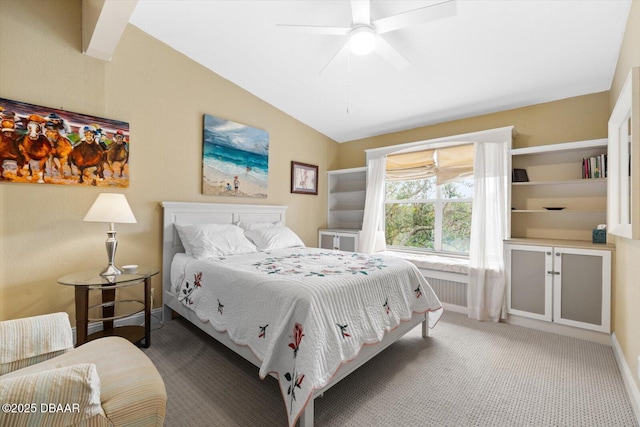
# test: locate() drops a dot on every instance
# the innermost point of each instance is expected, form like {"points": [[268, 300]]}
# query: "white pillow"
{"points": [[184, 237], [274, 238], [214, 240], [255, 225]]}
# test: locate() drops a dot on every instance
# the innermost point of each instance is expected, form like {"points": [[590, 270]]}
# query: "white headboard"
{"points": [[207, 213]]}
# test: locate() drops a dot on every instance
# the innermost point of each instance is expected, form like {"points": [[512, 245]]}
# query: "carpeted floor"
{"points": [[467, 373]]}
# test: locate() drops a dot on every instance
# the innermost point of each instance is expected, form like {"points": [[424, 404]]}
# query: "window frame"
{"points": [[439, 204], [495, 135]]}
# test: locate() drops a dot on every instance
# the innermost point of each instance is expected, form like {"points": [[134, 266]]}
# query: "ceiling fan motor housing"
{"points": [[362, 40]]}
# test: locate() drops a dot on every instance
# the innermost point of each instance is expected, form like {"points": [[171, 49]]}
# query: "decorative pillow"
{"points": [[74, 392], [256, 225], [214, 240], [274, 238]]}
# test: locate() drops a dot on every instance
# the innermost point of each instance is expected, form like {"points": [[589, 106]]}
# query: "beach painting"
{"points": [[235, 159]]}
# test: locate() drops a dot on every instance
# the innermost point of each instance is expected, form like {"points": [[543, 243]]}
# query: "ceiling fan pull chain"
{"points": [[348, 79]]}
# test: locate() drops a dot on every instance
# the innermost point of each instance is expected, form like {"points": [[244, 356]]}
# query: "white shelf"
{"points": [[564, 147], [350, 193], [586, 181], [347, 209], [565, 243], [546, 211]]}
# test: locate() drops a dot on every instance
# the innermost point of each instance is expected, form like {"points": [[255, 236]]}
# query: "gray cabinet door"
{"points": [[530, 275], [327, 240], [348, 242], [582, 290]]}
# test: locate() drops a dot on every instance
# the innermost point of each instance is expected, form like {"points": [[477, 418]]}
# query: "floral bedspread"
{"points": [[303, 311]]}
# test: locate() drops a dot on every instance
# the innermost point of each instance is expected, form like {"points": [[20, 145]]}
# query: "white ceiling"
{"points": [[492, 56]]}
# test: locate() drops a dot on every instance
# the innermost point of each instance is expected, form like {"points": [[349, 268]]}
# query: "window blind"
{"points": [[446, 164]]}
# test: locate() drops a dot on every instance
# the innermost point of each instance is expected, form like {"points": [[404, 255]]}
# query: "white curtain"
{"points": [[487, 278], [372, 234]]}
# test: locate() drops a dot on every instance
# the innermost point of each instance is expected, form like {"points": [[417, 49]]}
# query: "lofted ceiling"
{"points": [[490, 56]]}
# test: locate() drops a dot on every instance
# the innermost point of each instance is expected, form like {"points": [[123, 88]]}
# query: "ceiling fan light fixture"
{"points": [[362, 40]]}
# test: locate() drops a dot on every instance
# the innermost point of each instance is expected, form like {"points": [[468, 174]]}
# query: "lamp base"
{"points": [[111, 270], [111, 244]]}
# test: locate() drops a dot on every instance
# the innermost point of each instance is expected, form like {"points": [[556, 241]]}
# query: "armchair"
{"points": [[47, 382]]}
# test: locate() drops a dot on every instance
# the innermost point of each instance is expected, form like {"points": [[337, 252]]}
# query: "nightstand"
{"points": [[91, 280]]}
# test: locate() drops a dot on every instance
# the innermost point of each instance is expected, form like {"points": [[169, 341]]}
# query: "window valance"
{"points": [[446, 164]]}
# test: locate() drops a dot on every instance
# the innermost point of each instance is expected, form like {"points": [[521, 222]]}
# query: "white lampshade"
{"points": [[110, 207], [362, 40]]}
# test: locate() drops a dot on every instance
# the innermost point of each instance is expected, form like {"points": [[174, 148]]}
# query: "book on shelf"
{"points": [[594, 167]]}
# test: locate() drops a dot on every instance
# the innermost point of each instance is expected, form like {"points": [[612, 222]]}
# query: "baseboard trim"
{"points": [[454, 307], [136, 319], [555, 328], [627, 377]]}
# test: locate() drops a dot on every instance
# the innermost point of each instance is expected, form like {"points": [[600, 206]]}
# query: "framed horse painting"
{"points": [[41, 145]]}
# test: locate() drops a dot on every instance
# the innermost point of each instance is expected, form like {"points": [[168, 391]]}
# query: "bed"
{"points": [[299, 314]]}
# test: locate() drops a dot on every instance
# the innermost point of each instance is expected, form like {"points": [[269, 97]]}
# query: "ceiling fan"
{"points": [[364, 35]]}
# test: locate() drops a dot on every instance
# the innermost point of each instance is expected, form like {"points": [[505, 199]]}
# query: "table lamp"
{"points": [[111, 208]]}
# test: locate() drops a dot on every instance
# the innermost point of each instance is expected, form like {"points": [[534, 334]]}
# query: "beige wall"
{"points": [[627, 268], [567, 120], [163, 96]]}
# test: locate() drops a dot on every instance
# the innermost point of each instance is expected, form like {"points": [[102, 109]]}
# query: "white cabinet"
{"points": [[569, 285], [343, 240], [555, 181], [346, 191]]}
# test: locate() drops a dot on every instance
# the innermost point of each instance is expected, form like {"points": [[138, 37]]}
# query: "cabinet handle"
{"points": [[548, 253], [553, 272], [557, 253]]}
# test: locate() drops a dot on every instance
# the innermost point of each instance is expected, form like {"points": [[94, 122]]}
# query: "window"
{"points": [[428, 200], [422, 215]]}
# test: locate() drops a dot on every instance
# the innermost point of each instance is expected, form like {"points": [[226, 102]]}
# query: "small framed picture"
{"points": [[304, 178], [520, 175]]}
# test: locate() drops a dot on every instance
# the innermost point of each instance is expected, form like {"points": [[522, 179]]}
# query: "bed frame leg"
{"points": [[425, 326], [167, 313], [306, 418]]}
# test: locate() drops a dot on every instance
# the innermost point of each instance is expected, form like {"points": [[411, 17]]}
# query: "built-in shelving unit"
{"points": [[347, 192], [556, 275], [555, 180]]}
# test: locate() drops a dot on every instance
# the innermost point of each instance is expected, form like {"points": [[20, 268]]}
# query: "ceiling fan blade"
{"points": [[342, 51], [312, 29], [389, 53], [361, 11], [442, 10]]}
